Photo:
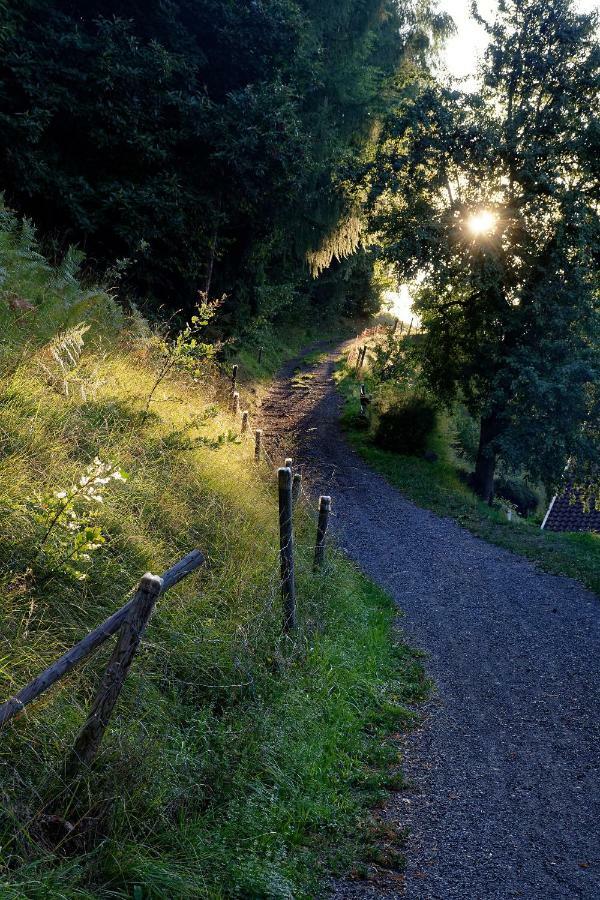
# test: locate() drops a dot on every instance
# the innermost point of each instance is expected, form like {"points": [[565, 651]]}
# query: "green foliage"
{"points": [[521, 496], [61, 526], [393, 359], [406, 426], [510, 315], [238, 762], [466, 442], [203, 144], [442, 487], [44, 305]]}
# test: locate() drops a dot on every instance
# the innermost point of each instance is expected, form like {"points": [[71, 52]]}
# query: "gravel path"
{"points": [[506, 799]]}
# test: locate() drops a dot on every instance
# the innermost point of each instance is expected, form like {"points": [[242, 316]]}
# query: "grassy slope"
{"points": [[437, 486], [236, 762]]}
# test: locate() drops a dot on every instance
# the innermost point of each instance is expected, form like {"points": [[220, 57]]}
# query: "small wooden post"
{"points": [[260, 353], [89, 738], [323, 524], [245, 421], [234, 372], [286, 549], [257, 444], [363, 411], [394, 327], [235, 403], [296, 488]]}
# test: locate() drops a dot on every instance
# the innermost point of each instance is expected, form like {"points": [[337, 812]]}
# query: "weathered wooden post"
{"points": [[364, 402], [235, 403], [394, 327], [89, 738], [245, 421], [286, 549], [296, 488], [234, 373], [322, 525], [257, 444]]}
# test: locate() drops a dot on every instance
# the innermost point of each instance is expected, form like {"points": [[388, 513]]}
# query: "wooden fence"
{"points": [[131, 619]]}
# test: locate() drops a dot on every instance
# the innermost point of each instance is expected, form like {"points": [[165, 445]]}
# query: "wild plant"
{"points": [[67, 532], [393, 360], [187, 351], [60, 359]]}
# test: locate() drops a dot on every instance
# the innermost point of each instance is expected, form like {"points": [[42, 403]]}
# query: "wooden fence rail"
{"points": [[95, 638]]}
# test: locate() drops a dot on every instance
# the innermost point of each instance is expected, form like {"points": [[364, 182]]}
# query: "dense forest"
{"points": [[205, 145]]}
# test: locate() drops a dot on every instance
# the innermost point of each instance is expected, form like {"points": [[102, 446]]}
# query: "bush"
{"points": [[406, 426], [517, 493], [466, 442]]}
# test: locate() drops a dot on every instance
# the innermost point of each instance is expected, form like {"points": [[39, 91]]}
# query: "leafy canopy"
{"points": [[493, 198]]}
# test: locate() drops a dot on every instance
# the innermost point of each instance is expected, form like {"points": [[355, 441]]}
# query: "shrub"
{"points": [[406, 426], [466, 442], [517, 493]]}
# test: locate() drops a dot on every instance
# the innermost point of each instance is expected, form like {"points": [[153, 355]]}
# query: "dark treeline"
{"points": [[210, 145]]}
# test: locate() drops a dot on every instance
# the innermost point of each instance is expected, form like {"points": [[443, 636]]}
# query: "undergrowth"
{"points": [[238, 763], [439, 484]]}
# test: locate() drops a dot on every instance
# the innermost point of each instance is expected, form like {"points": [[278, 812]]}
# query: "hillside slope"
{"points": [[238, 763]]}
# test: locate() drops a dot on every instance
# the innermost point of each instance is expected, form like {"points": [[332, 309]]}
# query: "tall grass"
{"points": [[238, 763]]}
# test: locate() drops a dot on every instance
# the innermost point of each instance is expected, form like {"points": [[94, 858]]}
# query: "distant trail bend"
{"points": [[506, 799]]}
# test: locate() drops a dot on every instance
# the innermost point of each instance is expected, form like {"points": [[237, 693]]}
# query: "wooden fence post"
{"points": [[257, 444], [394, 327], [234, 372], [89, 738], [245, 421], [296, 488], [364, 402], [235, 403], [323, 524], [286, 549]]}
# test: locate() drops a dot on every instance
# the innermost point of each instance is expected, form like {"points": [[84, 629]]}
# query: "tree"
{"points": [[493, 198], [207, 142]]}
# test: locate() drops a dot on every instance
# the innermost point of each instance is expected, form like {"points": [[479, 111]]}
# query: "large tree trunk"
{"points": [[485, 464]]}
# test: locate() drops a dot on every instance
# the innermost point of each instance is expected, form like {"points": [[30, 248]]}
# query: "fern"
{"points": [[65, 350]]}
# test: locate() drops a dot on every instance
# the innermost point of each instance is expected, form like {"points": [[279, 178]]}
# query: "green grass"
{"points": [[238, 763], [438, 487]]}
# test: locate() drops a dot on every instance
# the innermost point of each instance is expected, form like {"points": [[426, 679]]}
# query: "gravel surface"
{"points": [[505, 798]]}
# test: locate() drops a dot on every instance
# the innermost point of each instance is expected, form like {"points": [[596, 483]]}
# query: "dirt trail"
{"points": [[506, 799]]}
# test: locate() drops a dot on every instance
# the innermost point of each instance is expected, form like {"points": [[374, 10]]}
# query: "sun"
{"points": [[482, 222]]}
